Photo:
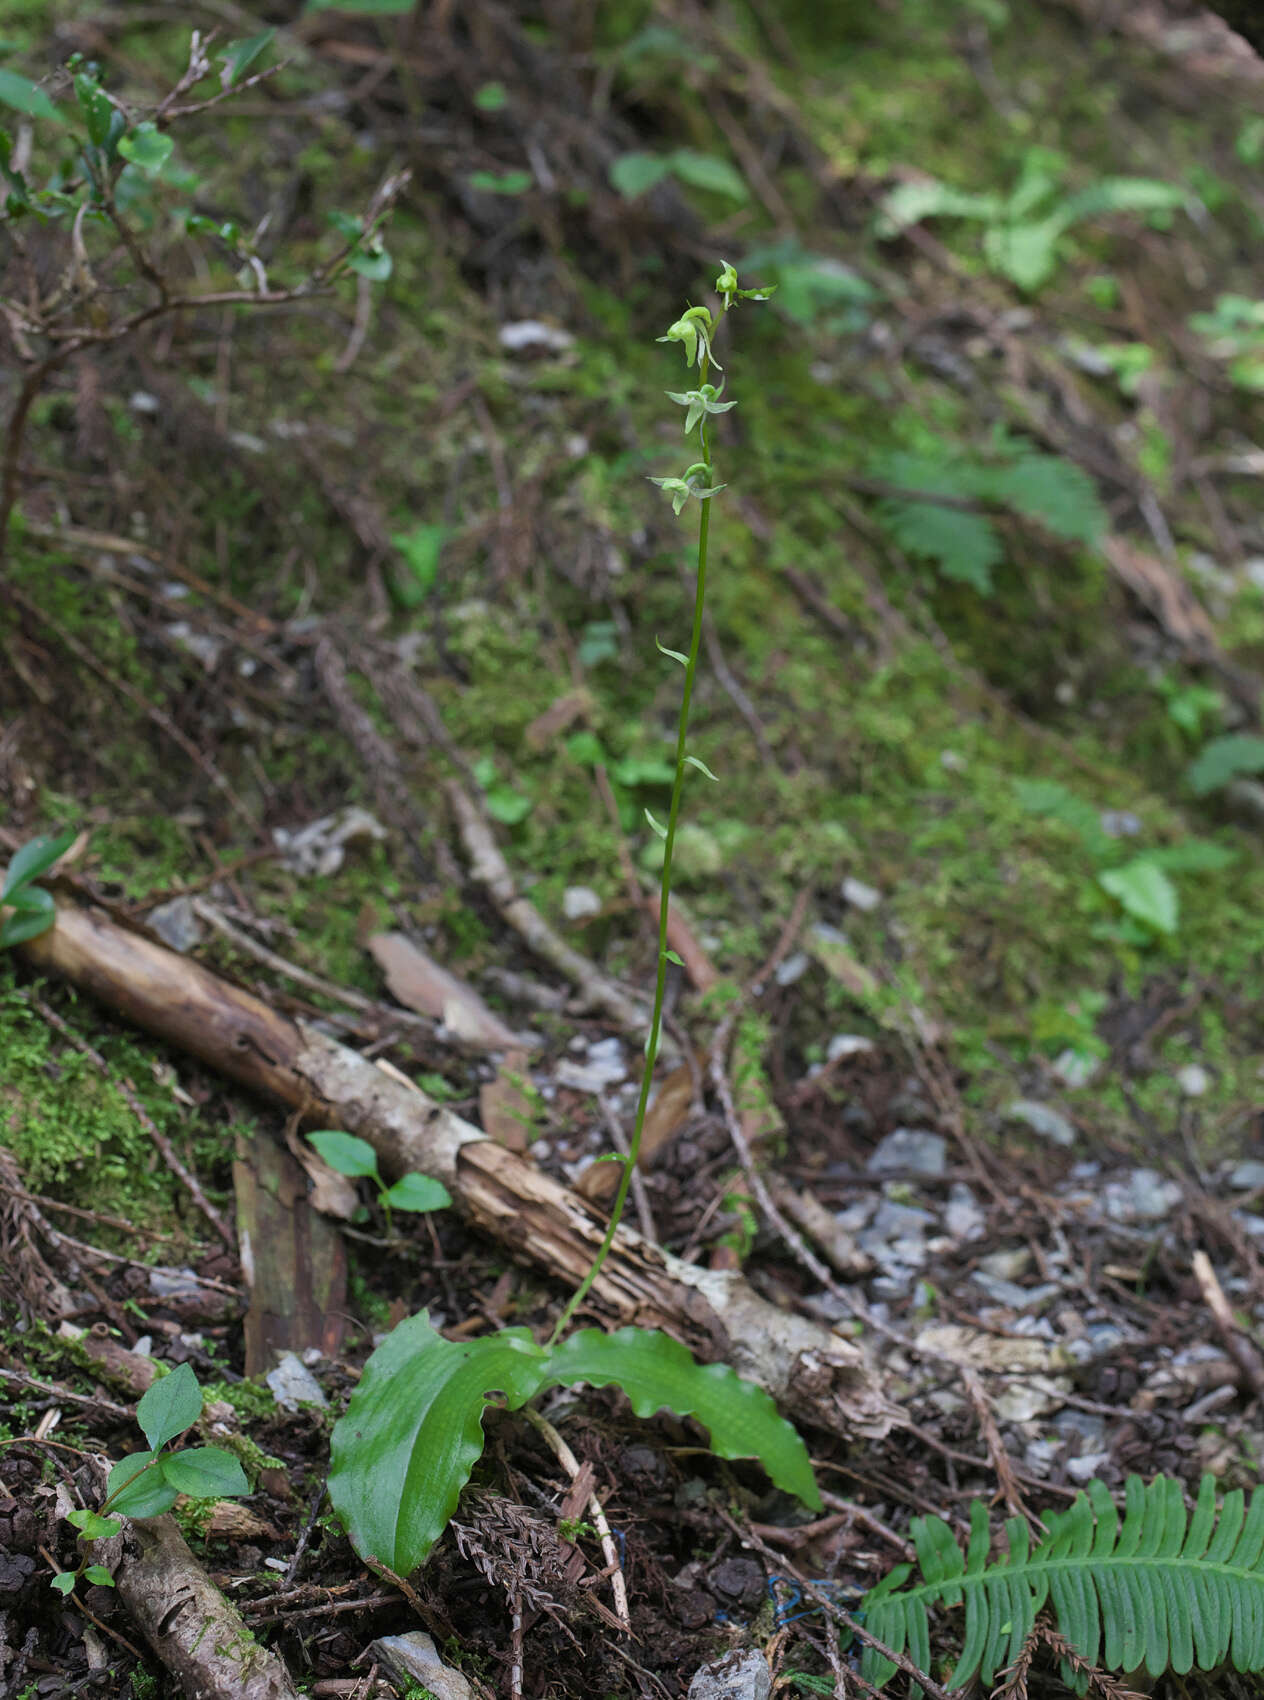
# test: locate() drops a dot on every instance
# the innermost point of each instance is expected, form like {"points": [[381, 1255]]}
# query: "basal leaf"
{"points": [[633, 173], [655, 1371], [35, 857], [33, 913], [708, 172], [413, 1431]]}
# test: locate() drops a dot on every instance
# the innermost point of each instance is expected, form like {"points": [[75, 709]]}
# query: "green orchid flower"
{"points": [[704, 400]]}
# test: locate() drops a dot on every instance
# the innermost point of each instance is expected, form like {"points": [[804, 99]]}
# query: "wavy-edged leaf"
{"points": [[413, 1431], [656, 1372]]}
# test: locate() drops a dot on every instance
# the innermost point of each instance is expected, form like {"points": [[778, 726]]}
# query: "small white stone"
{"points": [[860, 895], [1193, 1080], [793, 968], [579, 902]]}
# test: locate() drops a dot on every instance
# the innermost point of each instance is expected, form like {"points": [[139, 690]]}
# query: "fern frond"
{"points": [[1153, 1589]]}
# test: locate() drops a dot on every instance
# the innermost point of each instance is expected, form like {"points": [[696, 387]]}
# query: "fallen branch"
{"points": [[202, 1640], [820, 1376]]}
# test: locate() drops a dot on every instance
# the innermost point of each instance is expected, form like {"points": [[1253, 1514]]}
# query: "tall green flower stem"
{"points": [[693, 331]]}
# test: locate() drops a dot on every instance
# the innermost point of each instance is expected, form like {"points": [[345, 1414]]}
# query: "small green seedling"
{"points": [[357, 1159], [32, 910], [145, 1484]]}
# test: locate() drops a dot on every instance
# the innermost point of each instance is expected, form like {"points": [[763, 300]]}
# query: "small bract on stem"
{"points": [[694, 331]]}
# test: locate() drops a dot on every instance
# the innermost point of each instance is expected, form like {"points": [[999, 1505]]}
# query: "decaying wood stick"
{"points": [[201, 1638], [820, 1376], [492, 872]]}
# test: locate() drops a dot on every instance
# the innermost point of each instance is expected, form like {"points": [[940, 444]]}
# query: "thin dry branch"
{"points": [[822, 1377]]}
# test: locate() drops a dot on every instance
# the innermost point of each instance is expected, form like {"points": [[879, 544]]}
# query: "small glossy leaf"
{"points": [[204, 1472], [705, 171], [417, 1192], [96, 106], [141, 1490], [99, 1576], [501, 183], [372, 262], [421, 547], [92, 1526], [242, 54], [1145, 892], [693, 761], [673, 653], [147, 148], [413, 1431], [25, 96], [64, 1582], [661, 831], [673, 957], [33, 913], [345, 1153], [633, 173], [35, 857], [171, 1405], [655, 1371], [1225, 759]]}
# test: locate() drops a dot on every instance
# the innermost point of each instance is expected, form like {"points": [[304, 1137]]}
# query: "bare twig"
{"points": [[1239, 1346], [610, 1552]]}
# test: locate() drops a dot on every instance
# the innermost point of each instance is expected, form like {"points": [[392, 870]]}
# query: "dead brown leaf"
{"points": [[504, 1107], [421, 984], [664, 1119]]}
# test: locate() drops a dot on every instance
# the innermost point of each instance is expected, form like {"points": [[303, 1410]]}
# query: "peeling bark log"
{"points": [[200, 1637], [820, 1376]]}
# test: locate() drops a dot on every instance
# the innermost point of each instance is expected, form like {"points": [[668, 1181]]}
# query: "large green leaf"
{"points": [[1151, 1589], [656, 1372], [413, 1431]]}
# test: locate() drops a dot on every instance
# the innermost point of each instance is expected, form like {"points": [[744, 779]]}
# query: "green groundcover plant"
{"points": [[1154, 1590], [145, 1484]]}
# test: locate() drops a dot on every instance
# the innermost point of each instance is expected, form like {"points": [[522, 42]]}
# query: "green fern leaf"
{"points": [[1156, 1588]]}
